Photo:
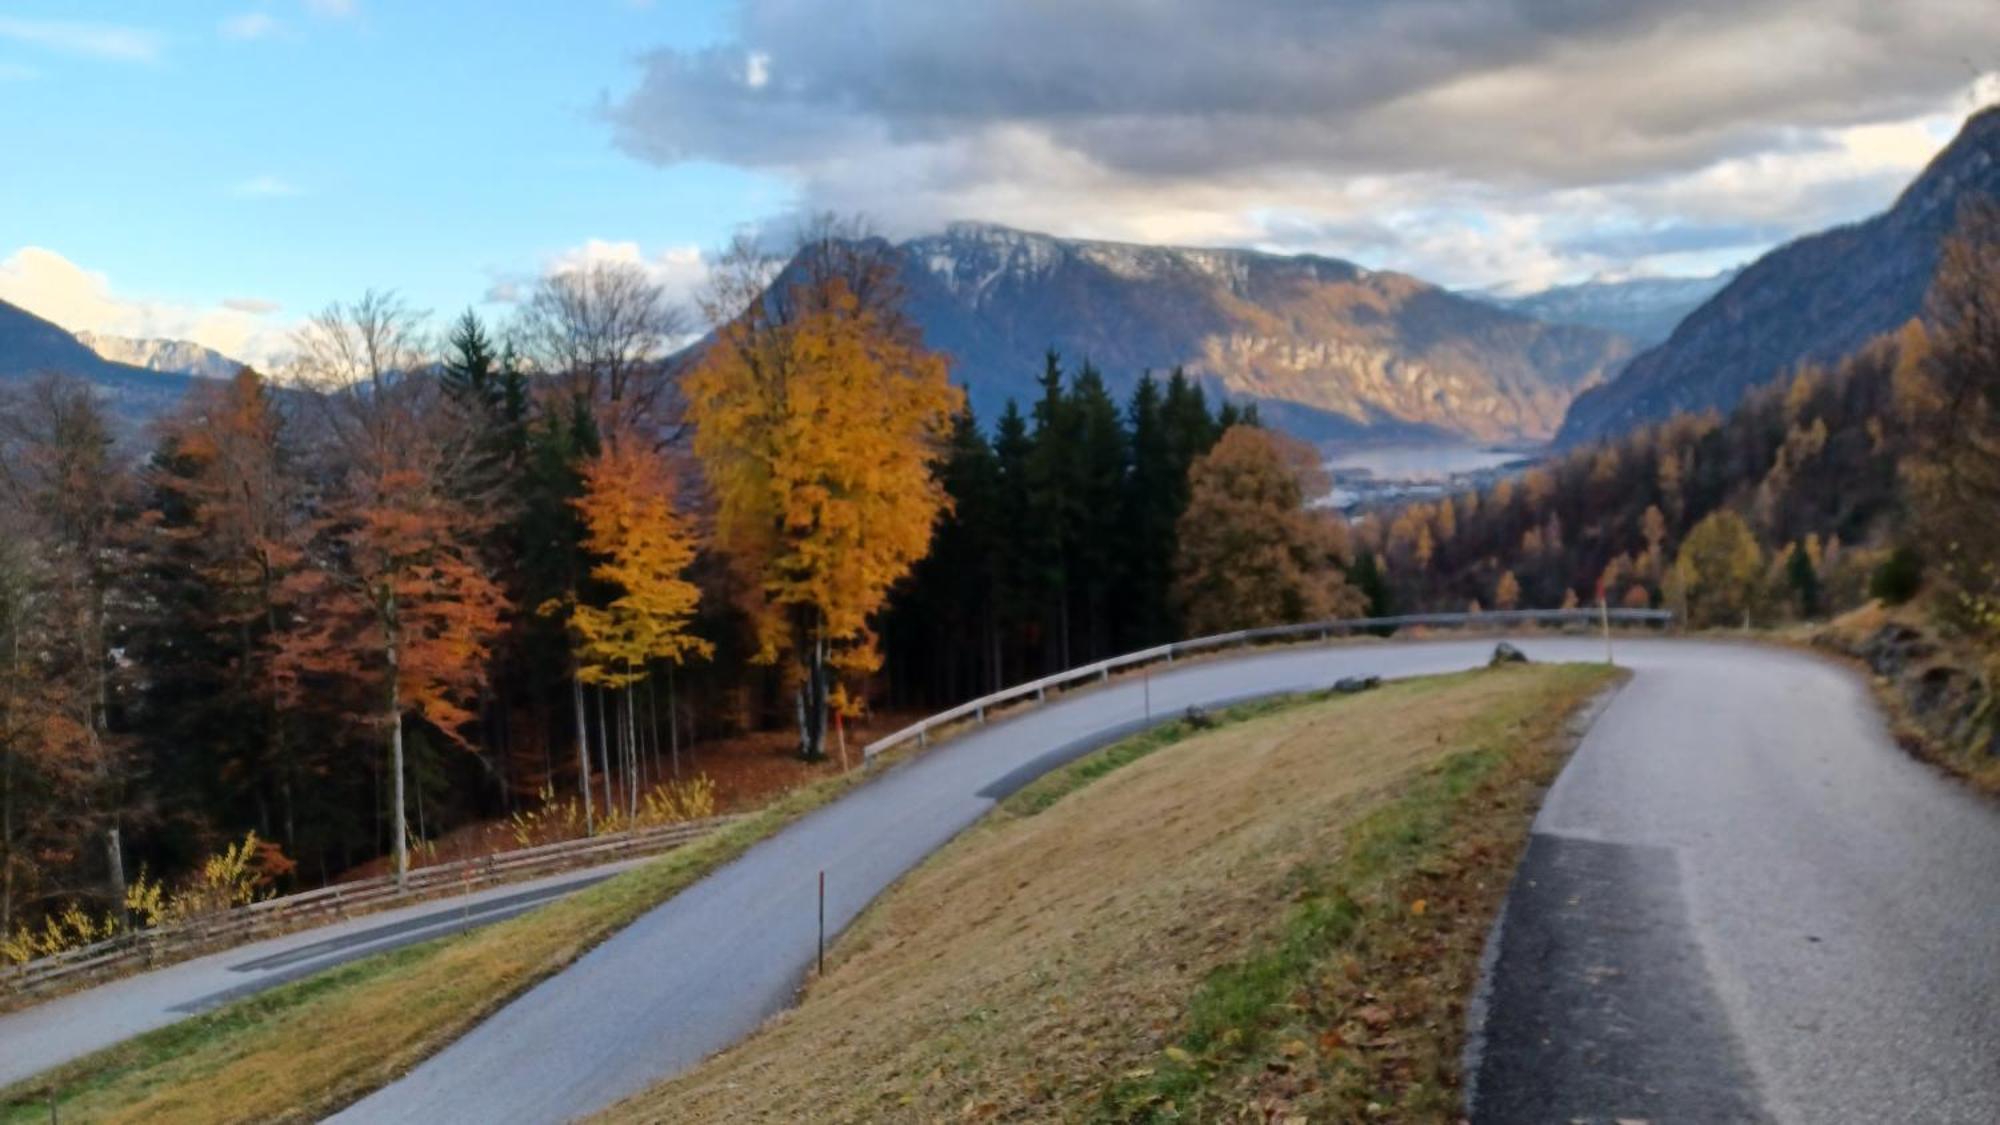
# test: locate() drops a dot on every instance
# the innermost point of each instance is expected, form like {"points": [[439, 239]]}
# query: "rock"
{"points": [[1198, 718], [1895, 647], [1504, 653], [1348, 685]]}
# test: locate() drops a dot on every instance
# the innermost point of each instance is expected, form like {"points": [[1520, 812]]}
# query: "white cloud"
{"points": [[56, 289], [116, 42], [249, 25], [678, 270], [264, 186], [1472, 141]]}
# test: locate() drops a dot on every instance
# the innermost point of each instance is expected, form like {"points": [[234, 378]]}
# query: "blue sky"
{"points": [[294, 153], [215, 171]]}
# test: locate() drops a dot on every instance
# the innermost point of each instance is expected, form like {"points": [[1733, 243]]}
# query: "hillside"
{"points": [[1330, 348], [1083, 945], [1813, 300], [31, 347]]}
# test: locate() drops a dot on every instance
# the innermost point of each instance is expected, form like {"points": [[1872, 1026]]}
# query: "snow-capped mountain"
{"points": [[1329, 349], [176, 356], [1646, 309]]}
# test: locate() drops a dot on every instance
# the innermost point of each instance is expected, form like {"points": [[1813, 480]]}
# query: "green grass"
{"points": [[1053, 786], [303, 1049], [1319, 997]]}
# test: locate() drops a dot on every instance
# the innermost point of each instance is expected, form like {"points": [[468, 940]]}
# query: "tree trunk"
{"points": [[582, 750], [396, 824], [631, 751], [7, 847], [812, 700], [604, 754], [673, 724]]}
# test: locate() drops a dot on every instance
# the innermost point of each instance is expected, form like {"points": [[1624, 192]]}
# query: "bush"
{"points": [[1898, 578]]}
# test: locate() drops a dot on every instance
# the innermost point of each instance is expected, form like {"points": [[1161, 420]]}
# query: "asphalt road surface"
{"points": [[1742, 902], [34, 1039]]}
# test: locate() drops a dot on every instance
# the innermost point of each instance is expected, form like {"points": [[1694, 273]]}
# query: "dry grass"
{"points": [[301, 1050], [1056, 961]]}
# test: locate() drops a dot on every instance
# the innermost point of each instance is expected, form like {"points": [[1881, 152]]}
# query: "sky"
{"points": [[218, 171]]}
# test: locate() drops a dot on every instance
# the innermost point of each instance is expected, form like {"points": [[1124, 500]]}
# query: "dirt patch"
{"points": [[1039, 962]]}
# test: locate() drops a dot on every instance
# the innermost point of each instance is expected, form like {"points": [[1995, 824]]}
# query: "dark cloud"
{"points": [[1003, 109]]}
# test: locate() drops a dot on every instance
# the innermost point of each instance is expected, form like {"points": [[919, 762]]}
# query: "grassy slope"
{"points": [[299, 1050], [1278, 916]]}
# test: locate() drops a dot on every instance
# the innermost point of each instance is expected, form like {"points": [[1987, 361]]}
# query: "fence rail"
{"points": [[291, 912], [976, 709]]}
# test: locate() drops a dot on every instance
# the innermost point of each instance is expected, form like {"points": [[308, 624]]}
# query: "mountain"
{"points": [[1813, 300], [31, 347], [1642, 309], [1328, 349], [179, 357]]}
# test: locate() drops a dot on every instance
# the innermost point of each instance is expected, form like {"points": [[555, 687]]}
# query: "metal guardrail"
{"points": [[976, 709], [291, 912]]}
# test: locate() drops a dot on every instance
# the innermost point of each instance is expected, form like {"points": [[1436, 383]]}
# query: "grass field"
{"points": [[1277, 919]]}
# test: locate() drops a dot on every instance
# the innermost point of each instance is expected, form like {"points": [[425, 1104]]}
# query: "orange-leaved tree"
{"points": [[396, 604], [820, 418], [1253, 549], [643, 548]]}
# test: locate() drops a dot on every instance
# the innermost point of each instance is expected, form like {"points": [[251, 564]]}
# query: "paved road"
{"points": [[1742, 902], [68, 1027]]}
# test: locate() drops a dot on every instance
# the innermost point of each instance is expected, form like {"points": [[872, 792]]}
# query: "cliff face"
{"points": [[1816, 300], [1332, 349]]}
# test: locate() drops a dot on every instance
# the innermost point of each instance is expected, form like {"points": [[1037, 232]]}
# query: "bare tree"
{"points": [[602, 332]]}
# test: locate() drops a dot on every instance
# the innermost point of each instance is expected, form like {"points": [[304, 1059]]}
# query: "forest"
{"points": [[307, 623]]}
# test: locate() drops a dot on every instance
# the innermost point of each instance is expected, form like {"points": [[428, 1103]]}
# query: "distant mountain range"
{"points": [[1328, 349], [1642, 309], [31, 347], [1815, 300], [179, 357]]}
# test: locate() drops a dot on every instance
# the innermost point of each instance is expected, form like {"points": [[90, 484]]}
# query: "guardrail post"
{"points": [[923, 738], [979, 713], [1040, 693], [1103, 674]]}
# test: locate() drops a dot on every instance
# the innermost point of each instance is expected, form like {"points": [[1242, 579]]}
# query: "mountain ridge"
{"points": [[1329, 348], [1816, 299]]}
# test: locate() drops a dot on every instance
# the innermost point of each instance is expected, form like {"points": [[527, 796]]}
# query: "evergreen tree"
{"points": [[1155, 493]]}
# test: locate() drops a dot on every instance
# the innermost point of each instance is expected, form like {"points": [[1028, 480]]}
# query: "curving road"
{"points": [[56, 1031], [1741, 902]]}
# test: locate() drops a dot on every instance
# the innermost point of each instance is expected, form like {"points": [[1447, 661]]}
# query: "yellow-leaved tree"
{"points": [[643, 548], [1716, 576], [820, 419]]}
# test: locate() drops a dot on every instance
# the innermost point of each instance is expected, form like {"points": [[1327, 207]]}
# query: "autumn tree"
{"points": [[600, 333], [1719, 570], [61, 489], [401, 607], [643, 548], [223, 533], [1253, 550], [820, 418], [1948, 385], [1507, 591]]}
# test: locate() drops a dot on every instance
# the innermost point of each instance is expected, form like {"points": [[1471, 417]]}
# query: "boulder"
{"points": [[1504, 653], [1348, 685], [1198, 718]]}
